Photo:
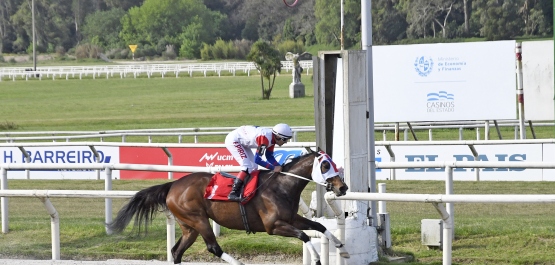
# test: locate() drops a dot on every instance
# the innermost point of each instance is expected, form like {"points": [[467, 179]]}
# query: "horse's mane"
{"points": [[294, 161]]}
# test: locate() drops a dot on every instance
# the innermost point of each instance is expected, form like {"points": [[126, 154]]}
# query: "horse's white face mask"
{"points": [[324, 168]]}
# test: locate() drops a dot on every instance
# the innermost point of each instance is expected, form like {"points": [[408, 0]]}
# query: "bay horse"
{"points": [[273, 209]]}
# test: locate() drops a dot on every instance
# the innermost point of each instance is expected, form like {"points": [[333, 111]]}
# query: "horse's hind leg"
{"points": [[185, 241], [205, 230], [202, 225], [302, 223]]}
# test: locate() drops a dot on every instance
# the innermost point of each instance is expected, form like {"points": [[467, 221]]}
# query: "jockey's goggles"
{"points": [[285, 139]]}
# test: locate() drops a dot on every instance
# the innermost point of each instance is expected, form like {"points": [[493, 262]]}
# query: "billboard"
{"points": [[444, 82], [219, 156], [59, 155], [495, 153], [200, 157], [537, 79]]}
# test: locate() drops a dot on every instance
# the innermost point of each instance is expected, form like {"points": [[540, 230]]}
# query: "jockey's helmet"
{"points": [[282, 130]]}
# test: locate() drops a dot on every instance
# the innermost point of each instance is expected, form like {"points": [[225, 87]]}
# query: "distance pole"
{"points": [[366, 26], [34, 37]]}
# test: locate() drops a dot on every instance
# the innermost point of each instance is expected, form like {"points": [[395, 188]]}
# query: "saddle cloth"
{"points": [[220, 186]]}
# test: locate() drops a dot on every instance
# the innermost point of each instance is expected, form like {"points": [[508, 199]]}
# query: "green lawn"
{"points": [[485, 233]]}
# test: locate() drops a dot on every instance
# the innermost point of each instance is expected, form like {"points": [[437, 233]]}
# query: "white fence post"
{"points": [[108, 201], [54, 226], [4, 201]]}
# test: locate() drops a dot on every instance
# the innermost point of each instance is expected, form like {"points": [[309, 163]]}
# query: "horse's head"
{"points": [[319, 167], [325, 171]]}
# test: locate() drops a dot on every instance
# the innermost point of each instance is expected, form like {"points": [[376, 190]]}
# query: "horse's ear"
{"points": [[320, 149], [309, 150]]}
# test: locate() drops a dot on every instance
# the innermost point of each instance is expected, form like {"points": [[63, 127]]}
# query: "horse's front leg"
{"points": [[302, 223], [282, 228]]}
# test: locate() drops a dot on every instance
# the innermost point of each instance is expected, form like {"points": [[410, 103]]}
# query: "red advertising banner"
{"points": [[202, 157]]}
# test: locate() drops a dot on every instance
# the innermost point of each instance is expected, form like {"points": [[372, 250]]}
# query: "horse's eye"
{"points": [[325, 166]]}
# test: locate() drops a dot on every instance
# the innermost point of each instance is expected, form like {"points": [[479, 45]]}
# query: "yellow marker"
{"points": [[133, 48]]}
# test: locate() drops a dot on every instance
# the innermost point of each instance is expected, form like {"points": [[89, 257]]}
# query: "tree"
{"points": [[104, 26], [499, 18], [288, 32], [267, 62], [388, 23], [166, 20]]}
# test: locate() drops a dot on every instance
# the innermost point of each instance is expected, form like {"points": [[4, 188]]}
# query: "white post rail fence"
{"points": [[448, 213], [108, 194], [137, 70], [66, 136]]}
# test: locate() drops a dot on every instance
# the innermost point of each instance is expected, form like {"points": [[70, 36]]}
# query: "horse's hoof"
{"points": [[318, 263], [344, 255]]}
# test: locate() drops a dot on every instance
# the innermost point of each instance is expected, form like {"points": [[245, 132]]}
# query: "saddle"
{"points": [[220, 186]]}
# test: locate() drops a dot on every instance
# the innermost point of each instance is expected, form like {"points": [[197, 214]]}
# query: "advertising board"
{"points": [[537, 78], [444, 82], [59, 155]]}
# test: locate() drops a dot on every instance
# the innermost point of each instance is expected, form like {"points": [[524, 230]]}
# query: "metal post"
{"points": [[108, 201], [366, 32], [54, 226], [382, 208], [449, 190], [34, 36], [520, 90], [4, 200], [342, 24], [396, 131], [447, 234], [170, 234], [170, 161], [486, 130], [27, 159], [97, 160]]}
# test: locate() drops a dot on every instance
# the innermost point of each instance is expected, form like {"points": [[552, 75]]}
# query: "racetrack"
{"points": [[107, 262]]}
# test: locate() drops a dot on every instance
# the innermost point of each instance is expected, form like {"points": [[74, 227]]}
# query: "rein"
{"points": [[299, 177]]}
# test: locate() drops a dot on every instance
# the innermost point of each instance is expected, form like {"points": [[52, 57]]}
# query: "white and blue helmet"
{"points": [[282, 130]]}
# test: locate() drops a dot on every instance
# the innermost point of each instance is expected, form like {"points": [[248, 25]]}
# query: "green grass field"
{"points": [[485, 233]]}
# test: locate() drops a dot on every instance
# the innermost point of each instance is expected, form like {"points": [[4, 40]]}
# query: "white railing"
{"points": [[136, 70], [179, 133], [123, 134], [108, 194], [448, 212]]}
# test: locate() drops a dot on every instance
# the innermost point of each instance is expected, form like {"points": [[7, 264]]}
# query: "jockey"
{"points": [[239, 143]]}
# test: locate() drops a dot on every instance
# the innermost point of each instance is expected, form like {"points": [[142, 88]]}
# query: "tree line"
{"points": [[222, 29]]}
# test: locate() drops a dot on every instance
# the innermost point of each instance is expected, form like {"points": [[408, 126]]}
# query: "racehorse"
{"points": [[273, 209]]}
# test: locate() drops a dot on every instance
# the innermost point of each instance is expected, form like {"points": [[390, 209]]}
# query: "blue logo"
{"points": [[440, 102], [442, 95], [283, 156], [423, 65]]}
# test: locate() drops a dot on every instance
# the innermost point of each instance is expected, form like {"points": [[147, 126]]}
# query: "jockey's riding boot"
{"points": [[236, 189], [235, 194]]}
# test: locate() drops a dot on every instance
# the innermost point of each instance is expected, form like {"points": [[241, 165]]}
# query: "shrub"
{"points": [[242, 48], [206, 52], [87, 50], [60, 50], [290, 46], [2, 60], [8, 125], [169, 53]]}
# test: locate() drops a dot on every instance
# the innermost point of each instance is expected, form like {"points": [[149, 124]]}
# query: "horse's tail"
{"points": [[144, 205]]}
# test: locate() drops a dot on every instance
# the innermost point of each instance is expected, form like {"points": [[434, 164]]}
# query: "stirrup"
{"points": [[234, 198]]}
